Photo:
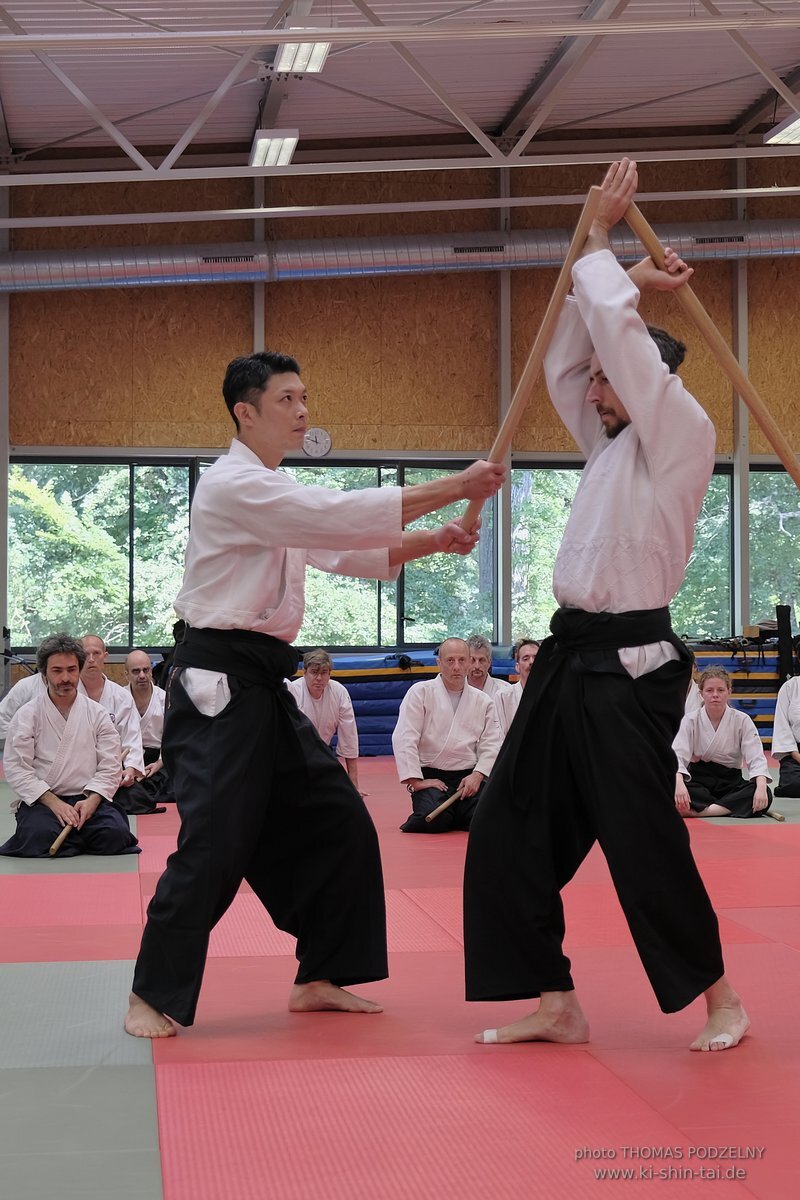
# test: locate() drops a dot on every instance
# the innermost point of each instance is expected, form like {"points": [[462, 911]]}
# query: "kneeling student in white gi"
{"points": [[786, 737], [150, 702], [507, 702], [118, 703], [62, 758], [328, 706], [710, 745], [446, 739], [480, 668]]}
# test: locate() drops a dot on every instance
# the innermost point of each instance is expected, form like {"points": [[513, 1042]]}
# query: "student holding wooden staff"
{"points": [[63, 761], [589, 754]]}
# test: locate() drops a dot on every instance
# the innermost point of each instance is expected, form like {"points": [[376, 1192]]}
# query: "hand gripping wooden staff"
{"points": [[719, 347], [445, 803], [522, 392]]}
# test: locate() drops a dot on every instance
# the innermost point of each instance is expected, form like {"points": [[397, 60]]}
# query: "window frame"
{"points": [[399, 463]]}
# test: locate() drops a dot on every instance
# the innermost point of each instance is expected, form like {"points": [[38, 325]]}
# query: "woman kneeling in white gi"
{"points": [[710, 746]]}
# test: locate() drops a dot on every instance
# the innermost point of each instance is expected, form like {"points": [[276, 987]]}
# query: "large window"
{"points": [[341, 611], [703, 606], [99, 546], [774, 544], [96, 547], [448, 594], [541, 499]]}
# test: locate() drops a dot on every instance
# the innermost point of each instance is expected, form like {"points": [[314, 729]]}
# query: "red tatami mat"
{"points": [[69, 943], [95, 899], [496, 1125], [256, 1102]]}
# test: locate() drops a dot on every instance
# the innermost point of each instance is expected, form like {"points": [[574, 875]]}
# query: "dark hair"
{"points": [[58, 643], [247, 377], [671, 350], [516, 649]]}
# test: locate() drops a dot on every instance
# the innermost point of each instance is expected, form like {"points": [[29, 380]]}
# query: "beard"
{"points": [[615, 430]]}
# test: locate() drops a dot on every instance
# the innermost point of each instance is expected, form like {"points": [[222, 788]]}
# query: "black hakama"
{"points": [[711, 783], [106, 832], [588, 757], [261, 798], [789, 778], [424, 801]]}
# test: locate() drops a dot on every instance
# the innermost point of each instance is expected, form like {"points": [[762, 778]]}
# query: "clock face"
{"points": [[317, 442]]}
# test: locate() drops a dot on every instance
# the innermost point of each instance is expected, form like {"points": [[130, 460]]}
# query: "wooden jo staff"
{"points": [[446, 803], [719, 347], [522, 392], [59, 842]]}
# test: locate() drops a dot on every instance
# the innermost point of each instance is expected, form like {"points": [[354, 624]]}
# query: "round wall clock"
{"points": [[317, 442]]}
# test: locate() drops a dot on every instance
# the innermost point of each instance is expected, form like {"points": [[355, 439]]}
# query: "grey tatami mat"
{"points": [[79, 1134], [66, 1014]]}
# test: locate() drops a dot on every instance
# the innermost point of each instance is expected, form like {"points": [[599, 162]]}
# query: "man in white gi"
{"points": [[786, 737], [328, 706], [18, 694], [260, 796], [589, 755], [480, 668], [150, 701], [445, 741], [62, 759], [507, 702], [118, 703]]}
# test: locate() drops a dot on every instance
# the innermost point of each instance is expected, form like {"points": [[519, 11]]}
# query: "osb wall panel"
{"points": [[143, 366], [125, 367], [396, 188], [406, 362], [102, 199], [542, 431], [653, 177], [774, 286], [773, 172]]}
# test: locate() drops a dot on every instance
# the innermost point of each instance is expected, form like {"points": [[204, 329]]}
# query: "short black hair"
{"points": [[246, 377], [671, 350], [58, 643]]}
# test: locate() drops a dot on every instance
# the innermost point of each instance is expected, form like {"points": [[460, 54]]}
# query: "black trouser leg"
{"points": [[241, 815]]}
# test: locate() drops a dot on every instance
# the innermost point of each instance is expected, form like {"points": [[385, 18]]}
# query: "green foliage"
{"points": [[69, 529], [68, 550], [774, 544], [65, 572]]}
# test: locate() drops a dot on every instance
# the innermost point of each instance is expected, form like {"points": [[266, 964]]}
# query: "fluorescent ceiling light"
{"points": [[301, 58], [273, 147], [785, 134]]}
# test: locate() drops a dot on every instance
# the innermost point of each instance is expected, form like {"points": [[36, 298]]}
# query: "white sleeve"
{"points": [[108, 771], [347, 730], [489, 742], [753, 750], [276, 511], [129, 728], [361, 564], [19, 755], [683, 746], [566, 367], [407, 732], [783, 739], [21, 692]]}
